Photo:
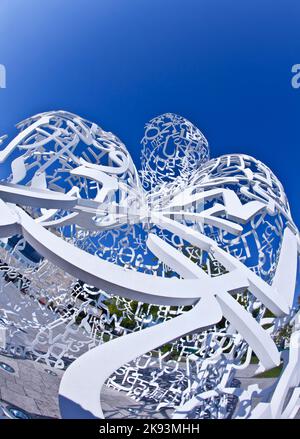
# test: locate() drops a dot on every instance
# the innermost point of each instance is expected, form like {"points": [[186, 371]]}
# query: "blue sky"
{"points": [[223, 64]]}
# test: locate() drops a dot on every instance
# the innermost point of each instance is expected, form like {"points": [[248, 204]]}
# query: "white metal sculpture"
{"points": [[182, 271]]}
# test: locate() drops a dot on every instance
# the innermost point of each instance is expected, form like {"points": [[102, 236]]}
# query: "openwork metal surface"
{"points": [[161, 284]]}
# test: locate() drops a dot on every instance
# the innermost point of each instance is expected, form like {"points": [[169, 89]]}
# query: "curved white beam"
{"points": [[78, 399], [242, 321], [107, 276], [269, 295], [9, 221], [30, 196], [5, 153]]}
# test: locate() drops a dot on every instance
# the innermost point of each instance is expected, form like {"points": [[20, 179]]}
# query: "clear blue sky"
{"points": [[223, 64]]}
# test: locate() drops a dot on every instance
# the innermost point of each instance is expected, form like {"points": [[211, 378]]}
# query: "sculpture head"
{"points": [[172, 147], [68, 154]]}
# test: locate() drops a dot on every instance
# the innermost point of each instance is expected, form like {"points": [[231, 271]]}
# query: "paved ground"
{"points": [[247, 377], [33, 388]]}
